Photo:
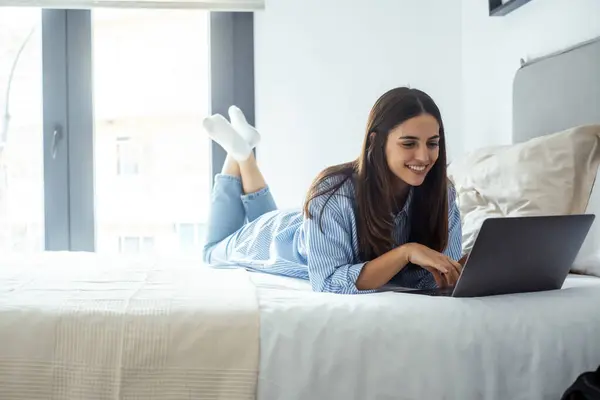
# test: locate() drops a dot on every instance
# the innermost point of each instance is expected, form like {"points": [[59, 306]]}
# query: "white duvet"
{"points": [[81, 326], [405, 346]]}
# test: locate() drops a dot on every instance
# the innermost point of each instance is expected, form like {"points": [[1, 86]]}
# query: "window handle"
{"points": [[56, 137]]}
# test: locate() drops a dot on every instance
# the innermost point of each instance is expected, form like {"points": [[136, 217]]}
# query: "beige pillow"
{"points": [[548, 175], [588, 259]]}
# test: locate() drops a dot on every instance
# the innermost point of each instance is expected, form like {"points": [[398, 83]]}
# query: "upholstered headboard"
{"points": [[557, 92]]}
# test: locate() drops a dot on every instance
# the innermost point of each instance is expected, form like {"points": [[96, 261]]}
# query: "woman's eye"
{"points": [[433, 144], [408, 145]]}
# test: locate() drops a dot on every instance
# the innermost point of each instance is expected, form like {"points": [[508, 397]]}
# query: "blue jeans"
{"points": [[230, 210]]}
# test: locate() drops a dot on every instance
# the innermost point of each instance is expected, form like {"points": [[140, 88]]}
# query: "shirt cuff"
{"points": [[354, 271]]}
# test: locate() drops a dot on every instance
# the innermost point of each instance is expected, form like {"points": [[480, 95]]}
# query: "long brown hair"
{"points": [[374, 182]]}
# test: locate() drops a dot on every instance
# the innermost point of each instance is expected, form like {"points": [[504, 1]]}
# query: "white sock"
{"points": [[221, 131], [239, 123]]}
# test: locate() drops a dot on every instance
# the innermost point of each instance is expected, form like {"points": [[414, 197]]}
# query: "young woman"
{"points": [[389, 215]]}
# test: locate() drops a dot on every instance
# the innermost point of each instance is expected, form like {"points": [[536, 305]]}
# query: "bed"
{"points": [[401, 346], [89, 326]]}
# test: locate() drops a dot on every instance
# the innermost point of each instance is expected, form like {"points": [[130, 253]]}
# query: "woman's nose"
{"points": [[422, 154]]}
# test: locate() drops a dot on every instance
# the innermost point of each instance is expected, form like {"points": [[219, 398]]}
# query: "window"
{"points": [[21, 132], [191, 236], [151, 79], [135, 244], [128, 157], [101, 139]]}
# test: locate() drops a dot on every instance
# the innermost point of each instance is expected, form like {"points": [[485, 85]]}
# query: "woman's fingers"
{"points": [[445, 270], [437, 271], [438, 277], [452, 277], [457, 265], [449, 271], [459, 269], [454, 272]]}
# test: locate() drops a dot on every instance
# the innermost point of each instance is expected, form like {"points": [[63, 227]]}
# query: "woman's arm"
{"points": [[379, 271], [330, 249], [329, 239], [330, 256], [376, 273], [330, 252]]}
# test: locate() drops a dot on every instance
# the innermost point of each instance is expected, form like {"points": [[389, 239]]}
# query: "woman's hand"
{"points": [[445, 270]]}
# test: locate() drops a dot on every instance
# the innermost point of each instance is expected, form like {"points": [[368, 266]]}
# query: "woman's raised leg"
{"points": [[227, 213], [231, 167], [240, 193], [257, 197]]}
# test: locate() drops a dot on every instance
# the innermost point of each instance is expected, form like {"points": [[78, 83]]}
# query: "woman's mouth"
{"points": [[417, 169]]}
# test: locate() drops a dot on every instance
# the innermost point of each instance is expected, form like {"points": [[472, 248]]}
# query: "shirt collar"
{"points": [[406, 208]]}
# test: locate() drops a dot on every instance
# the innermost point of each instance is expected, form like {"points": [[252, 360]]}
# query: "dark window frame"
{"points": [[68, 113]]}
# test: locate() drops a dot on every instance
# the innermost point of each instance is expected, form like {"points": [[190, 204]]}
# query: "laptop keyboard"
{"points": [[436, 292], [428, 292]]}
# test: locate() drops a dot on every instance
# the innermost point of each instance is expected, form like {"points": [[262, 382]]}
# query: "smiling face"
{"points": [[412, 148]]}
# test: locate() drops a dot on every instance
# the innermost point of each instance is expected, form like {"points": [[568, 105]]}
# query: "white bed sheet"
{"points": [[402, 346], [82, 326]]}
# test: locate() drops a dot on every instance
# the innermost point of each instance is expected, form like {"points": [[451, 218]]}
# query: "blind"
{"points": [[212, 5]]}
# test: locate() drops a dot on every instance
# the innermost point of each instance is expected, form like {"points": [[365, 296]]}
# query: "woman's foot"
{"points": [[240, 124], [221, 131]]}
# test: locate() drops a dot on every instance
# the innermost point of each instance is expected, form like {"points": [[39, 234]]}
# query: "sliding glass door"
{"points": [[104, 148]]}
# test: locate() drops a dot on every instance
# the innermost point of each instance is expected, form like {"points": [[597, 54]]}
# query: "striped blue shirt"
{"points": [[326, 251]]}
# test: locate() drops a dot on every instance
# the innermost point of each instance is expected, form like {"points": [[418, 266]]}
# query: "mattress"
{"points": [[76, 325], [405, 346]]}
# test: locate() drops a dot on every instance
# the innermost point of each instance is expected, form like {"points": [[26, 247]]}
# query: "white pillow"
{"points": [[548, 175], [588, 259]]}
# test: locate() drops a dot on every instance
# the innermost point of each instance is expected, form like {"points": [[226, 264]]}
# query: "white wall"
{"points": [[320, 66], [492, 48]]}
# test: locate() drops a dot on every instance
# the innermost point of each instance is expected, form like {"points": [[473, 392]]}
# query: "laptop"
{"points": [[517, 255]]}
